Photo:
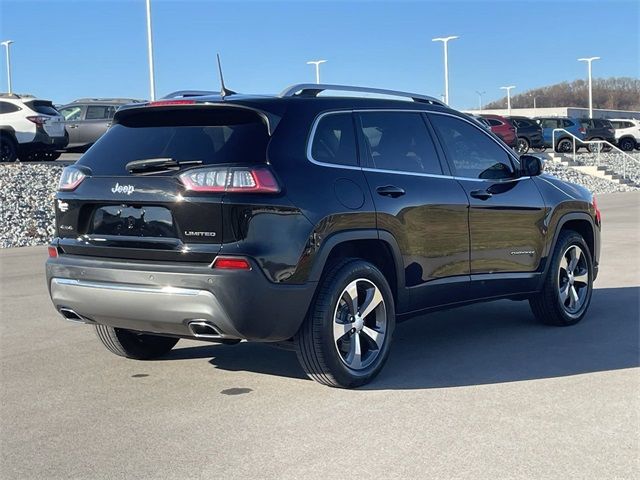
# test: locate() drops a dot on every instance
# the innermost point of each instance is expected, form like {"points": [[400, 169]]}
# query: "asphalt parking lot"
{"points": [[476, 392]]}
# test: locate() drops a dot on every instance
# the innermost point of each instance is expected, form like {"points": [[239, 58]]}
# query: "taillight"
{"points": [[53, 251], [595, 207], [582, 130], [70, 179], [230, 179], [160, 103], [231, 263], [38, 119]]}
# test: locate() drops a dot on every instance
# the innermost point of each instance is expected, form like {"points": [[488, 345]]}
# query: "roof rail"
{"points": [[190, 93], [15, 95], [88, 100], [314, 89]]}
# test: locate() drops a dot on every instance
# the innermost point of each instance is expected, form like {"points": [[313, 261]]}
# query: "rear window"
{"points": [[521, 122], [210, 136], [43, 107]]}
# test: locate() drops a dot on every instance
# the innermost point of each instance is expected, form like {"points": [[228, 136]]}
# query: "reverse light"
{"points": [[231, 263], [70, 179], [53, 251], [230, 179]]}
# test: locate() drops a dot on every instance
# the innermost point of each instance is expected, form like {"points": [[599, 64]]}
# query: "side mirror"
{"points": [[530, 166]]}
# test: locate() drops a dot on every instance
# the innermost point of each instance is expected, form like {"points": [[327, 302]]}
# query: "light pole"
{"points": [[152, 81], [508, 89], [480, 99], [445, 42], [317, 64], [589, 60], [7, 43]]}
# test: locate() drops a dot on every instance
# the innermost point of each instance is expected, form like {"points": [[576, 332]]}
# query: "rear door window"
{"points": [[398, 141], [100, 112], [6, 107], [201, 136], [549, 123], [334, 140]]}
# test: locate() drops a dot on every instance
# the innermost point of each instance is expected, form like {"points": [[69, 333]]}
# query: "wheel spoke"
{"points": [[564, 263], [573, 297], [374, 297], [575, 253], [350, 296], [374, 335], [582, 277], [354, 357], [564, 293], [340, 329]]}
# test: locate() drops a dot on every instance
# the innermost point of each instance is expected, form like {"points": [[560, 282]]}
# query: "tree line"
{"points": [[616, 93]]}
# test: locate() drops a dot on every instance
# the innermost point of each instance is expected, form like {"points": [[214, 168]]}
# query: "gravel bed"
{"points": [[594, 184], [615, 162], [27, 199], [26, 203]]}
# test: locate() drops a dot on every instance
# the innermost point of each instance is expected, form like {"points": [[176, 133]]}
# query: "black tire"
{"points": [[595, 147], [139, 346], [627, 144], [547, 305], [316, 347], [8, 149], [522, 145], [565, 145]]}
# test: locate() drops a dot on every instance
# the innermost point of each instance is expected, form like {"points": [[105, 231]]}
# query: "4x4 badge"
{"points": [[128, 189]]}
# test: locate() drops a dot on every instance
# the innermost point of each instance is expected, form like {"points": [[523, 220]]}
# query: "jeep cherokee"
{"points": [[309, 219]]}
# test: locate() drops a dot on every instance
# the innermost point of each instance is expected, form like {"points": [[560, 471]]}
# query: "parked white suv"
{"points": [[30, 129], [627, 133]]}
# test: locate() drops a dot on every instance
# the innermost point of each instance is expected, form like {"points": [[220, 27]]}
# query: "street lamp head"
{"points": [[445, 39], [6, 43], [590, 59], [508, 88], [316, 62]]}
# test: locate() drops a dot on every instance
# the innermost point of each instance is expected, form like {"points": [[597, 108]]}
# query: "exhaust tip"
{"points": [[72, 316], [203, 329]]}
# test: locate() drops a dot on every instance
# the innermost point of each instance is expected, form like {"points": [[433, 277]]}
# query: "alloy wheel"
{"points": [[573, 279], [360, 324]]}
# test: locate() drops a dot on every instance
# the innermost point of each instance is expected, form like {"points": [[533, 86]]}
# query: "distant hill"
{"points": [[616, 93]]}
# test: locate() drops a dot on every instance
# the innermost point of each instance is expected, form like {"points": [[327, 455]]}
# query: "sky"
{"points": [[65, 49]]}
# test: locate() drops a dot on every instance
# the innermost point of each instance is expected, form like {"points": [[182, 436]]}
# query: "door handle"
{"points": [[481, 194], [72, 126], [390, 191]]}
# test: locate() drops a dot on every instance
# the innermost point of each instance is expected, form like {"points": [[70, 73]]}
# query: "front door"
{"points": [[507, 211], [425, 210]]}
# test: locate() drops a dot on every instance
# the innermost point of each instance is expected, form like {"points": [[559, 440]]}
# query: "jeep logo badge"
{"points": [[128, 189]]}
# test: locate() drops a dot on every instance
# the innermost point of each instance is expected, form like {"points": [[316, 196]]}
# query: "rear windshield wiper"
{"points": [[148, 165]]}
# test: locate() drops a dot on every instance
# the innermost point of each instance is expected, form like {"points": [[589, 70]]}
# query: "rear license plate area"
{"points": [[130, 221]]}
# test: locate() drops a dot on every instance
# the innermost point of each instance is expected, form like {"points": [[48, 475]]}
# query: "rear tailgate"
{"points": [[53, 126], [149, 214]]}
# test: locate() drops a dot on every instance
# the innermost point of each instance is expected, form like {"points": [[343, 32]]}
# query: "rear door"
{"points": [[147, 213], [96, 122], [506, 216], [416, 201]]}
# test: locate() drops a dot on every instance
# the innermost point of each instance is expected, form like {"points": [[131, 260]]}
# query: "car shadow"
{"points": [[480, 344]]}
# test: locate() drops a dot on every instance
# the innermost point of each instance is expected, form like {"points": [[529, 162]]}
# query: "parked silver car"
{"points": [[87, 119]]}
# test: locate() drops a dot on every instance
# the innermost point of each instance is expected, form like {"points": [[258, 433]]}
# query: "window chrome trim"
{"points": [[319, 117]]}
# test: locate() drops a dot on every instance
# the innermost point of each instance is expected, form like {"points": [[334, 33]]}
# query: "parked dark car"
{"points": [[528, 133], [87, 119], [567, 130], [598, 129], [502, 127], [313, 221]]}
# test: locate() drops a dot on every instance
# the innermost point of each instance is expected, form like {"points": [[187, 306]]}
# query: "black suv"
{"points": [[599, 129], [311, 221], [528, 134]]}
